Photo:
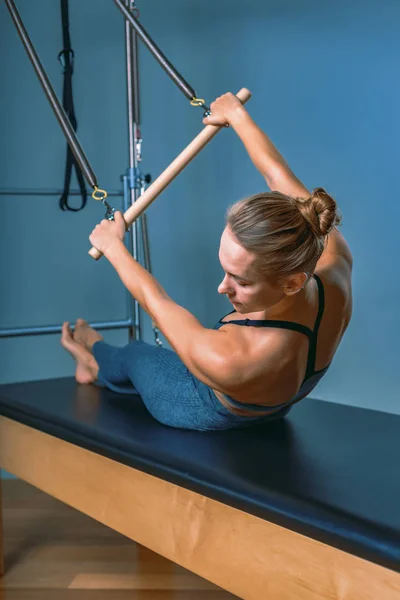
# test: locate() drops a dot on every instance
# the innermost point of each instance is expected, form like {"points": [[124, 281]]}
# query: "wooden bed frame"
{"points": [[241, 553]]}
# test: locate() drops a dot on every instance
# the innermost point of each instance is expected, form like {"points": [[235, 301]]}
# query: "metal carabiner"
{"points": [[201, 102], [101, 195]]}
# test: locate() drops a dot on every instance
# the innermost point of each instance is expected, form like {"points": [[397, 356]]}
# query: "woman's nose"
{"points": [[223, 287]]}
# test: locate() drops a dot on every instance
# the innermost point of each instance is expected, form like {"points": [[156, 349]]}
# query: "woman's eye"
{"points": [[243, 284]]}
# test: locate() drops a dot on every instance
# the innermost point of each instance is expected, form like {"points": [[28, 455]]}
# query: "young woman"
{"points": [[288, 277]]}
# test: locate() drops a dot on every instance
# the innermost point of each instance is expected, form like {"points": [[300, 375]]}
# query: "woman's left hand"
{"points": [[106, 233]]}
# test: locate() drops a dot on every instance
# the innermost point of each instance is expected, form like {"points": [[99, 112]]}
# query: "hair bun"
{"points": [[320, 211]]}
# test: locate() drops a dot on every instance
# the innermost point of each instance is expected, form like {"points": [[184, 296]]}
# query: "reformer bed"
{"points": [[305, 508]]}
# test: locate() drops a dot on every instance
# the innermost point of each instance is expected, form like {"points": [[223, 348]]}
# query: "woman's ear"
{"points": [[294, 283]]}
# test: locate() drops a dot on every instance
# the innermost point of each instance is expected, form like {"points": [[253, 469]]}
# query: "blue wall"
{"points": [[326, 89]]}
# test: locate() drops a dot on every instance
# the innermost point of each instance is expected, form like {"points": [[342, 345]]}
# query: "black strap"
{"points": [[66, 57], [312, 355], [321, 306]]}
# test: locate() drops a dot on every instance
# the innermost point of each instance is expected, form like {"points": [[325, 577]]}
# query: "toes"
{"points": [[66, 335], [69, 343], [81, 323], [66, 330]]}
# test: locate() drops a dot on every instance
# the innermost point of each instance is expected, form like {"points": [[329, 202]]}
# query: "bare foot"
{"points": [[86, 335], [87, 368]]}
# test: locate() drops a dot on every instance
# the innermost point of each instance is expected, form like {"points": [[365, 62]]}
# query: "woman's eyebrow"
{"points": [[239, 277]]}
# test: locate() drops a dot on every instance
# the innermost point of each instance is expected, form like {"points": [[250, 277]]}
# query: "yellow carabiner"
{"points": [[97, 191], [197, 101]]}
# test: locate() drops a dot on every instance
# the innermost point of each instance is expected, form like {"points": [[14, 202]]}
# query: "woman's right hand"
{"points": [[222, 110]]}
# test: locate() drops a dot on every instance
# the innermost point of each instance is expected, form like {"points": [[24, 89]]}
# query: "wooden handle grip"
{"points": [[180, 162]]}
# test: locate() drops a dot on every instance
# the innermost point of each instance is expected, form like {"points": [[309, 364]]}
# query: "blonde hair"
{"points": [[287, 235]]}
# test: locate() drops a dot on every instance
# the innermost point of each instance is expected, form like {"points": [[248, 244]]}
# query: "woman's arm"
{"points": [[229, 110], [210, 355], [265, 156]]}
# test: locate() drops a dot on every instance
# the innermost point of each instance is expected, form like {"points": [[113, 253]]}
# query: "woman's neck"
{"points": [[285, 309]]}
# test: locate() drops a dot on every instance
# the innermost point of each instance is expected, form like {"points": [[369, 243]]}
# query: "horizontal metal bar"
{"points": [[48, 329], [27, 192]]}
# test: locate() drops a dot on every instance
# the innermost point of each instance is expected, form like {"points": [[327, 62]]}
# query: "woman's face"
{"points": [[248, 290]]}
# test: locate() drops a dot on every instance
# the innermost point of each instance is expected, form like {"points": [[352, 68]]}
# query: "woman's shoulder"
{"points": [[337, 285], [335, 267]]}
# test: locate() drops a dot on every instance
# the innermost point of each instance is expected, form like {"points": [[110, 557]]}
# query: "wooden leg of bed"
{"points": [[1, 536]]}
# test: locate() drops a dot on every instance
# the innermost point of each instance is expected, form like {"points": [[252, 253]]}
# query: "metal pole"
{"points": [[155, 50], [135, 177], [59, 111], [133, 122], [129, 193], [49, 192], [48, 329]]}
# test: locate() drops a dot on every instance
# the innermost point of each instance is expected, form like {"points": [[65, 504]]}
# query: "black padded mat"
{"points": [[328, 471]]}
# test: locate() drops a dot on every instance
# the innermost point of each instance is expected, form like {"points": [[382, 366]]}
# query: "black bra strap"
{"points": [[312, 353], [278, 325], [321, 303]]}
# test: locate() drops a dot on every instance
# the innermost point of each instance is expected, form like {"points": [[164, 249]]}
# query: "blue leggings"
{"points": [[171, 394]]}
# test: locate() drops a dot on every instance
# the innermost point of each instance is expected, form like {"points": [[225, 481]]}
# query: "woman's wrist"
{"points": [[238, 116], [114, 250]]}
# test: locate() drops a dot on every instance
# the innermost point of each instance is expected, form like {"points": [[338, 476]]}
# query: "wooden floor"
{"points": [[53, 552]]}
